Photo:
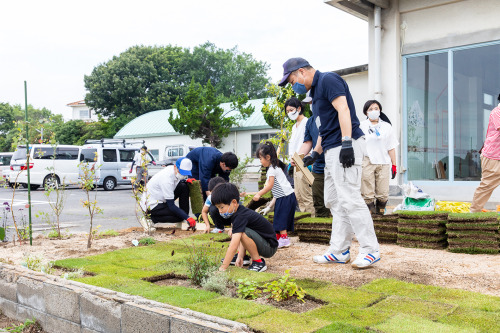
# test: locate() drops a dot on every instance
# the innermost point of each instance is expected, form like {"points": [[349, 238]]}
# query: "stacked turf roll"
{"points": [[263, 177], [425, 229], [473, 233], [386, 228], [314, 229]]}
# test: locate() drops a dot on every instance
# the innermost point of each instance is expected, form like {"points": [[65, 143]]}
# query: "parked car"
{"points": [[173, 152], [112, 156], [5, 165], [47, 167]]}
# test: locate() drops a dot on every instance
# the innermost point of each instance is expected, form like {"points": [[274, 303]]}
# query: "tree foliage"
{"points": [[276, 116], [200, 115], [12, 125], [75, 132], [148, 78]]}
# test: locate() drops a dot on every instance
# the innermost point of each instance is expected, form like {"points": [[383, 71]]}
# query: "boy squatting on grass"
{"points": [[250, 232]]}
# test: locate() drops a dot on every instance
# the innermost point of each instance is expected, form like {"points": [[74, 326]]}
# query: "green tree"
{"points": [[147, 78], [200, 115]]}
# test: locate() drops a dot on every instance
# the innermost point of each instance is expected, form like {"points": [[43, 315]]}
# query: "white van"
{"points": [[47, 168], [5, 165], [112, 156]]}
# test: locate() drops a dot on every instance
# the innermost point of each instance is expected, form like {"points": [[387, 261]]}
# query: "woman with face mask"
{"points": [[380, 161], [302, 189]]}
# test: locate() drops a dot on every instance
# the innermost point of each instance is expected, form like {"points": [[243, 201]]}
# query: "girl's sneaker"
{"points": [[283, 242], [365, 260], [217, 231], [330, 258], [258, 266]]}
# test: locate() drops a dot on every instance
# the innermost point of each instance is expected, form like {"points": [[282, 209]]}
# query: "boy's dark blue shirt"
{"points": [[311, 134], [206, 165], [247, 218], [325, 88]]}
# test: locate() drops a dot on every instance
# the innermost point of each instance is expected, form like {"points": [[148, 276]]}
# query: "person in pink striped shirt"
{"points": [[490, 162]]}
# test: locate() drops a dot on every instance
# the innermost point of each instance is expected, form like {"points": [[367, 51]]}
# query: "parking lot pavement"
{"points": [[118, 208]]}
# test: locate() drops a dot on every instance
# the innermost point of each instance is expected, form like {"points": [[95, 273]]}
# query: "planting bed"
{"points": [[385, 305], [473, 233]]}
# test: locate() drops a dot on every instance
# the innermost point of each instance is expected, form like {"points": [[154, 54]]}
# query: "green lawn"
{"points": [[384, 305]]}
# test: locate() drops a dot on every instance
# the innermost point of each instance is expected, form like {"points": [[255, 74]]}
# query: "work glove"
{"points": [[192, 222], [346, 156], [154, 163], [190, 180], [310, 159], [265, 211], [394, 171]]}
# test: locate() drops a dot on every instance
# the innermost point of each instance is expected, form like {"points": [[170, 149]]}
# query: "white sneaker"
{"points": [[330, 258], [365, 260], [217, 231]]}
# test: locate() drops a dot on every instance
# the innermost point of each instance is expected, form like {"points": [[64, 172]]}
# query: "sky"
{"points": [[53, 44]]}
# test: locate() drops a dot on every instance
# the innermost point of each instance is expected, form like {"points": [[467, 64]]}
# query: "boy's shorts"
{"points": [[265, 250]]}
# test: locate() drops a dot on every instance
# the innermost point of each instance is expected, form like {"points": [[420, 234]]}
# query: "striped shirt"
{"points": [[281, 187]]}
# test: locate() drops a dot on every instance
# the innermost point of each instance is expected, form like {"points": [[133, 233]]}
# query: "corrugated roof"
{"points": [[155, 123], [77, 103]]}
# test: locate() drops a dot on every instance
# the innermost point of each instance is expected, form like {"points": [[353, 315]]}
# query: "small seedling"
{"points": [[248, 289], [284, 288]]}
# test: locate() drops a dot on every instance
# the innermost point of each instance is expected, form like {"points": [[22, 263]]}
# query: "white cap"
{"points": [[184, 165]]}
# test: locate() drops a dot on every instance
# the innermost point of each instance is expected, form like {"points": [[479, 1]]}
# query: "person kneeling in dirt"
{"points": [[208, 208], [163, 189], [250, 232]]}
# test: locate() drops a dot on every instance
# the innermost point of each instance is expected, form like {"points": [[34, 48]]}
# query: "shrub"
{"points": [[202, 261], [217, 282], [248, 289]]}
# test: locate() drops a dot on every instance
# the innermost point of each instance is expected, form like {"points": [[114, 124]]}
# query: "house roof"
{"points": [[77, 103], [358, 8], [155, 123]]}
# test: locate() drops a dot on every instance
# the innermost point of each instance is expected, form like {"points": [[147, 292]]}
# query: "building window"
{"points": [[84, 114], [472, 79], [155, 153], [257, 139]]}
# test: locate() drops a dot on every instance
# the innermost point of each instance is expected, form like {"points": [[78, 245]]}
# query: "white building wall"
{"points": [[358, 86], [75, 114], [410, 26]]}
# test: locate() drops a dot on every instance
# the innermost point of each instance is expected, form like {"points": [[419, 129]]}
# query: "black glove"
{"points": [[310, 159], [346, 156]]}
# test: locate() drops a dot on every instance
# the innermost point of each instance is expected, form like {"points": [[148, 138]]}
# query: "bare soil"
{"points": [[433, 267], [6, 322]]}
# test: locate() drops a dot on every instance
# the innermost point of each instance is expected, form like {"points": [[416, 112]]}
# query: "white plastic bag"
{"points": [[412, 191]]}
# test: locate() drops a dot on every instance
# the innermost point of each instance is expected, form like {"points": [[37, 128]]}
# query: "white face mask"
{"points": [[374, 114], [293, 115], [180, 177]]}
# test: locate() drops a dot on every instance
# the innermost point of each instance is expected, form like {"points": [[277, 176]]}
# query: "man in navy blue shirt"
{"points": [[310, 140], [343, 144], [208, 162]]}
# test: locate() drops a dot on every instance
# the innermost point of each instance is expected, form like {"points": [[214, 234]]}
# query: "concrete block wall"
{"points": [[63, 306]]}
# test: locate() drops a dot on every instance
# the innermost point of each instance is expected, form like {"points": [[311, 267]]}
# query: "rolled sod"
{"points": [[253, 205], [491, 226], [386, 218], [301, 215], [422, 238], [412, 230], [319, 220], [196, 197], [471, 250], [490, 216], [474, 242], [473, 234], [425, 215], [421, 245]]}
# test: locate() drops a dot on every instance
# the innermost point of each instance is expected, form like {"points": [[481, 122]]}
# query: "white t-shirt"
{"points": [[380, 138], [281, 187], [160, 188], [208, 202], [297, 138], [142, 160]]}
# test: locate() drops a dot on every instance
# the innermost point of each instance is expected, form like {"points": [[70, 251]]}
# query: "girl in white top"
{"points": [[381, 146], [303, 191], [284, 209]]}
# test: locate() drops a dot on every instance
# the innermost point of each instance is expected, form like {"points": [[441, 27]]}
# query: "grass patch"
{"points": [[235, 273], [341, 328], [345, 296], [411, 324], [108, 233], [478, 320], [472, 216], [423, 214], [231, 308], [319, 220], [414, 307], [358, 317], [278, 321]]}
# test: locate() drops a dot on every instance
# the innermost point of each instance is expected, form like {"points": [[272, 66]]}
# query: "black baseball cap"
{"points": [[291, 65]]}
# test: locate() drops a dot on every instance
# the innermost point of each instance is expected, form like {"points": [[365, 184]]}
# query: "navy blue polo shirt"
{"points": [[311, 134], [325, 88]]}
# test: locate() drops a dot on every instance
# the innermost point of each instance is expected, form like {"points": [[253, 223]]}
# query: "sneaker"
{"points": [[217, 231], [365, 260], [258, 266], [246, 260], [283, 242], [328, 258]]}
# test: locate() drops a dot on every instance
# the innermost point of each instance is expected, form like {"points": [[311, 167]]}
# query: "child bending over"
{"points": [[284, 208], [209, 208], [250, 232]]}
